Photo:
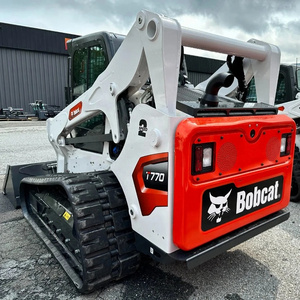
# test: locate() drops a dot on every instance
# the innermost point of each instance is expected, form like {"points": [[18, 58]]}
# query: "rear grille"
{"points": [[226, 157]]}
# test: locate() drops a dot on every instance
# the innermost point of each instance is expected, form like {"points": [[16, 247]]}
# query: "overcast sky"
{"points": [[273, 21]]}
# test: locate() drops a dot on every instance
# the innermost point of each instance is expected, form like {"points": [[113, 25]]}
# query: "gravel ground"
{"points": [[265, 267], [24, 142]]}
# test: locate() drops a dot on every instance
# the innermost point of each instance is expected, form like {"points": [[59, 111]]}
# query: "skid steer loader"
{"points": [[148, 165]]}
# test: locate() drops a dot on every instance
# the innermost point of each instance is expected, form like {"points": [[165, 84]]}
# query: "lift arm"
{"points": [[152, 49]]}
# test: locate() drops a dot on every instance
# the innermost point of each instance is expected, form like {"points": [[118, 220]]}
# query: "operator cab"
{"points": [[89, 57]]}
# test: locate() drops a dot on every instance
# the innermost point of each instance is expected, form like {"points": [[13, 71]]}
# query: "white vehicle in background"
{"points": [[287, 100]]}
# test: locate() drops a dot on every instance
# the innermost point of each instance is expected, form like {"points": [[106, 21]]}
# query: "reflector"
{"points": [[198, 159], [288, 144]]}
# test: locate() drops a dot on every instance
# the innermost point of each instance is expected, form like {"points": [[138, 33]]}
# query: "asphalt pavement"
{"points": [[265, 267]]}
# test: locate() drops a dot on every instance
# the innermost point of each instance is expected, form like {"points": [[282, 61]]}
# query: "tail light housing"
{"points": [[203, 157], [285, 147]]}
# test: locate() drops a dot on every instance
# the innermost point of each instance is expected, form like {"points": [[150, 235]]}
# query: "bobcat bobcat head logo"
{"points": [[219, 205]]}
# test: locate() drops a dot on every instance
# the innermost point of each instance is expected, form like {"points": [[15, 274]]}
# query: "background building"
{"points": [[200, 68], [33, 66]]}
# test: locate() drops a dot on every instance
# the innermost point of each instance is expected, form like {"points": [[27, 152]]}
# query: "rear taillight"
{"points": [[285, 147], [202, 158]]}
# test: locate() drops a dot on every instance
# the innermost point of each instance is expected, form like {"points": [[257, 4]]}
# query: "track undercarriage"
{"points": [[84, 221]]}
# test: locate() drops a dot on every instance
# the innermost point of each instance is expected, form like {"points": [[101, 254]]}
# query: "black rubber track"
{"points": [[295, 190], [100, 246]]}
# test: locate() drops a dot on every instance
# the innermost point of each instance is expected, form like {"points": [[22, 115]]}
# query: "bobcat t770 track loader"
{"points": [[147, 164]]}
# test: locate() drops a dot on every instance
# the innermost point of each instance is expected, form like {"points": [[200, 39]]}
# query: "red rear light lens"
{"points": [[288, 144], [198, 158], [202, 158]]}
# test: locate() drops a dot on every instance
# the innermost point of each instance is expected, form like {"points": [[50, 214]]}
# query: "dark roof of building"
{"points": [[33, 39]]}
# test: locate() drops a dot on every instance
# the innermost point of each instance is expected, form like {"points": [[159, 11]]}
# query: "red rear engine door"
{"points": [[229, 172]]}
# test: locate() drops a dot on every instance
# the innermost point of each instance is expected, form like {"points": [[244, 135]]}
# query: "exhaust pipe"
{"points": [[218, 81]]}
